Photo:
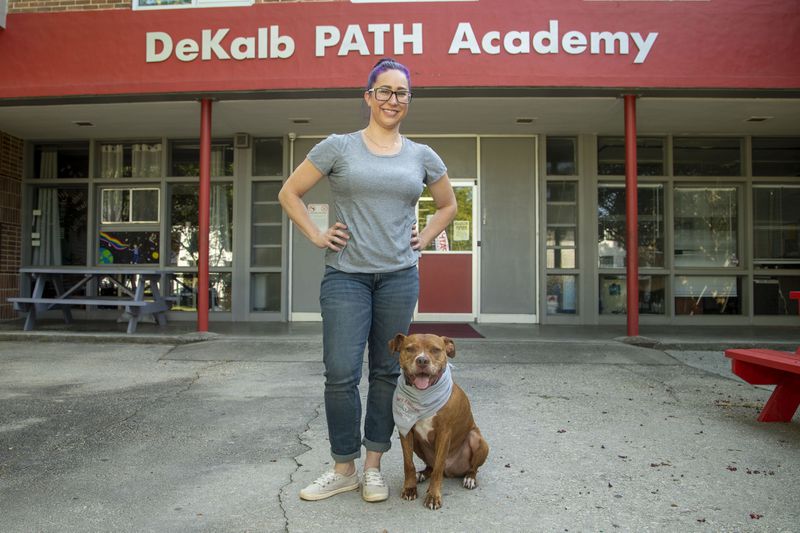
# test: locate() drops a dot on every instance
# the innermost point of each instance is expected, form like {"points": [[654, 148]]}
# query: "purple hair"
{"points": [[387, 63]]}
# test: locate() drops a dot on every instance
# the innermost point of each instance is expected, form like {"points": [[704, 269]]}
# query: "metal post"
{"points": [[204, 214], [631, 216]]}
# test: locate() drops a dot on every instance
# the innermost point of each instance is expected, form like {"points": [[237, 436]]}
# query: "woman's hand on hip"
{"points": [[416, 242], [335, 237]]}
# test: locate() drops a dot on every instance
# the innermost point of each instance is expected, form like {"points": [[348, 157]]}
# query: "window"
{"points": [[59, 226], [562, 224], [562, 156], [268, 157], [63, 160], [185, 158], [706, 156], [126, 160], [771, 295], [457, 236], [706, 226], [707, 295], [178, 4], [183, 286], [776, 156], [127, 206], [267, 225], [611, 227], [183, 209], [611, 156], [561, 247], [776, 224], [614, 294]]}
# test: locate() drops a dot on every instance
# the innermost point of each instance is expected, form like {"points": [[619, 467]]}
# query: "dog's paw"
{"points": [[470, 482], [409, 493], [422, 475], [433, 502]]}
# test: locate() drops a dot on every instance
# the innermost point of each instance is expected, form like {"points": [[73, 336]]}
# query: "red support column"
{"points": [[204, 215], [631, 216]]}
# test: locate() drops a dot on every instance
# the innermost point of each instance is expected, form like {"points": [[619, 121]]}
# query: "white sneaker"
{"points": [[329, 484], [373, 486]]}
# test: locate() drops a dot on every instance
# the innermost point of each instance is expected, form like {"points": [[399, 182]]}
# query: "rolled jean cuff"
{"points": [[381, 447], [345, 458]]}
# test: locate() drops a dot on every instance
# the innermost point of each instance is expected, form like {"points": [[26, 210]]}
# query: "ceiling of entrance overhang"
{"points": [[552, 115]]}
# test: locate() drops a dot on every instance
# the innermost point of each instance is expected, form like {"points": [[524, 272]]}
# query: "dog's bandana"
{"points": [[409, 404]]}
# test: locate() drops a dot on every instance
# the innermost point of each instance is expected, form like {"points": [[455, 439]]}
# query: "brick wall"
{"points": [[29, 6], [10, 220]]}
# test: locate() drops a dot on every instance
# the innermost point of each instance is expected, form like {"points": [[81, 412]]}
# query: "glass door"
{"points": [[447, 268]]}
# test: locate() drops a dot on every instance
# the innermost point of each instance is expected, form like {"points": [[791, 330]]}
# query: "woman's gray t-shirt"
{"points": [[375, 196]]}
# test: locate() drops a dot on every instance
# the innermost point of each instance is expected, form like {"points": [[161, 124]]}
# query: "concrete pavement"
{"points": [[220, 435]]}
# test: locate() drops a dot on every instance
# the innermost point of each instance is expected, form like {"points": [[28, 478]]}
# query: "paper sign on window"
{"points": [[319, 215]]}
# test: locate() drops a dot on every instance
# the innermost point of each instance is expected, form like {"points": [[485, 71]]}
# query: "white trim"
{"points": [[136, 6], [444, 317], [305, 317], [507, 319]]}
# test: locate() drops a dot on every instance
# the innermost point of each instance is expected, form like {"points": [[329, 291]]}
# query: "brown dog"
{"points": [[438, 427]]}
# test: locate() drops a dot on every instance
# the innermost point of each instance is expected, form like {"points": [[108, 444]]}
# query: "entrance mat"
{"points": [[454, 330]]}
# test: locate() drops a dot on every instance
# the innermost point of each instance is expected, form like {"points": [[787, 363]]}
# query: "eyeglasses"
{"points": [[383, 94]]}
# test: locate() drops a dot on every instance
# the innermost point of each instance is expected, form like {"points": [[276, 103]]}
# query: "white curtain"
{"points": [[47, 224], [146, 160], [217, 161], [219, 238], [111, 161]]}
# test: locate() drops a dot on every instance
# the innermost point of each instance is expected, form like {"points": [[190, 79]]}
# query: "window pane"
{"points": [[457, 237], [771, 295], [144, 205], [115, 205], [614, 294], [611, 231], [265, 289], [706, 226], [268, 157], [267, 256], [649, 156], [776, 224], [561, 152], [707, 295], [183, 286], [561, 257], [704, 156], [63, 160], [61, 225], [266, 191], [184, 207], [562, 293], [776, 156], [128, 247], [140, 160], [561, 237], [185, 158]]}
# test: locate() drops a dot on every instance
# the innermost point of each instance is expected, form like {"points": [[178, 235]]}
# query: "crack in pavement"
{"points": [[282, 491]]}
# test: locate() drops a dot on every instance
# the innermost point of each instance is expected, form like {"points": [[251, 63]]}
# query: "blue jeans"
{"points": [[360, 310]]}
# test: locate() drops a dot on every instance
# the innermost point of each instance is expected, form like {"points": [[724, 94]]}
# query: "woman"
{"points": [[371, 282]]}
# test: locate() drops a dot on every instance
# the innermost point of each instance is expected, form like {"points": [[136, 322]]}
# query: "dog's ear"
{"points": [[396, 343], [449, 347]]}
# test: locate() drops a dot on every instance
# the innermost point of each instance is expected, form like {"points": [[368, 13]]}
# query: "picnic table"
{"points": [[129, 282], [761, 366]]}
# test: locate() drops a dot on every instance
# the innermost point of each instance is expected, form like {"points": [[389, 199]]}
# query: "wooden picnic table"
{"points": [[67, 295]]}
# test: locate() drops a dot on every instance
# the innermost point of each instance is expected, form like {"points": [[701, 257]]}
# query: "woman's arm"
{"points": [[300, 182], [446, 208]]}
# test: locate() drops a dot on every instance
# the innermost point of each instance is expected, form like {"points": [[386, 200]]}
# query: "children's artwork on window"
{"points": [[128, 248]]}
